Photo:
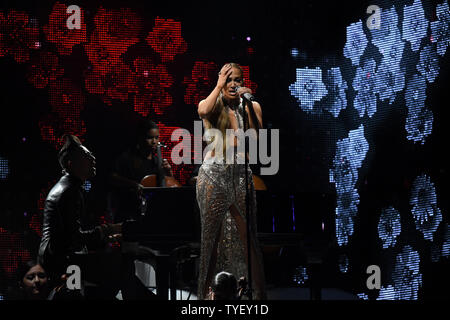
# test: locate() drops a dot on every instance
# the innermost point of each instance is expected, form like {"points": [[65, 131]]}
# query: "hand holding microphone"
{"points": [[245, 93]]}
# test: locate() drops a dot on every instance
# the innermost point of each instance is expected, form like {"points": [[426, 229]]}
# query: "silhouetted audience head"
{"points": [[224, 287], [33, 281]]}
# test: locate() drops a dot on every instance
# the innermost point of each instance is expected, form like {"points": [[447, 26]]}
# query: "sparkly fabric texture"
{"points": [[224, 238]]}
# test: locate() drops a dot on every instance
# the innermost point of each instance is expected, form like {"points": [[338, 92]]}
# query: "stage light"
{"points": [[249, 39]]}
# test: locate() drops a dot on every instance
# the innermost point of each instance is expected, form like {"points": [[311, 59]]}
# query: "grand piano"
{"points": [[168, 233]]}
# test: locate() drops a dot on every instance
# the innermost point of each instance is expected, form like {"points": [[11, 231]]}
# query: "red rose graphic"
{"points": [[44, 68], [117, 29], [151, 82], [116, 82], [201, 82], [100, 56], [18, 35], [165, 39], [58, 33]]}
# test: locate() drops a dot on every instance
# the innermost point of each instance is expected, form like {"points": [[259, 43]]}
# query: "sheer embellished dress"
{"points": [[221, 199]]}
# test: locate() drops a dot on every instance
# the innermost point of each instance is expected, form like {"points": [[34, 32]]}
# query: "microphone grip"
{"points": [[247, 96]]}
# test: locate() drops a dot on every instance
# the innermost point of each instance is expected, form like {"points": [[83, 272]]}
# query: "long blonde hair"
{"points": [[219, 117]]}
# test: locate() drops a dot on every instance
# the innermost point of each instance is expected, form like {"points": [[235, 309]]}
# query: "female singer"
{"points": [[221, 189]]}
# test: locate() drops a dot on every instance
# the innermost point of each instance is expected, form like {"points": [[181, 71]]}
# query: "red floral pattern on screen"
{"points": [[117, 29], [115, 82], [100, 56], [58, 33], [52, 127], [66, 99], [47, 132], [35, 223], [44, 67], [12, 251], [201, 82], [247, 82], [152, 80], [18, 35], [165, 39], [76, 127]]}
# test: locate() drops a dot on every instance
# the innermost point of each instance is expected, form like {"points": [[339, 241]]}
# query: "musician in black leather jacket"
{"points": [[65, 229]]}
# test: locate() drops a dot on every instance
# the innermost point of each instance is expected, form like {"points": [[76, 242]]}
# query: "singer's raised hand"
{"points": [[223, 75]]}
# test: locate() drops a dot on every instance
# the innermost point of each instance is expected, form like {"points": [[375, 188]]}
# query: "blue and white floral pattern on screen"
{"points": [[426, 213], [419, 122], [350, 153], [308, 88], [387, 38], [407, 277], [390, 80], [387, 293], [415, 94], [344, 228], [356, 42], [419, 125], [358, 146], [336, 87], [415, 24], [440, 29], [428, 63], [389, 227], [366, 86]]}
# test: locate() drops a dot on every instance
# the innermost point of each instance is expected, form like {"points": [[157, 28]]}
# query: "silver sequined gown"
{"points": [[223, 237]]}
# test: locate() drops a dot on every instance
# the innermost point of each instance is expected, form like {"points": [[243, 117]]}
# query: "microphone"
{"points": [[247, 96]]}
